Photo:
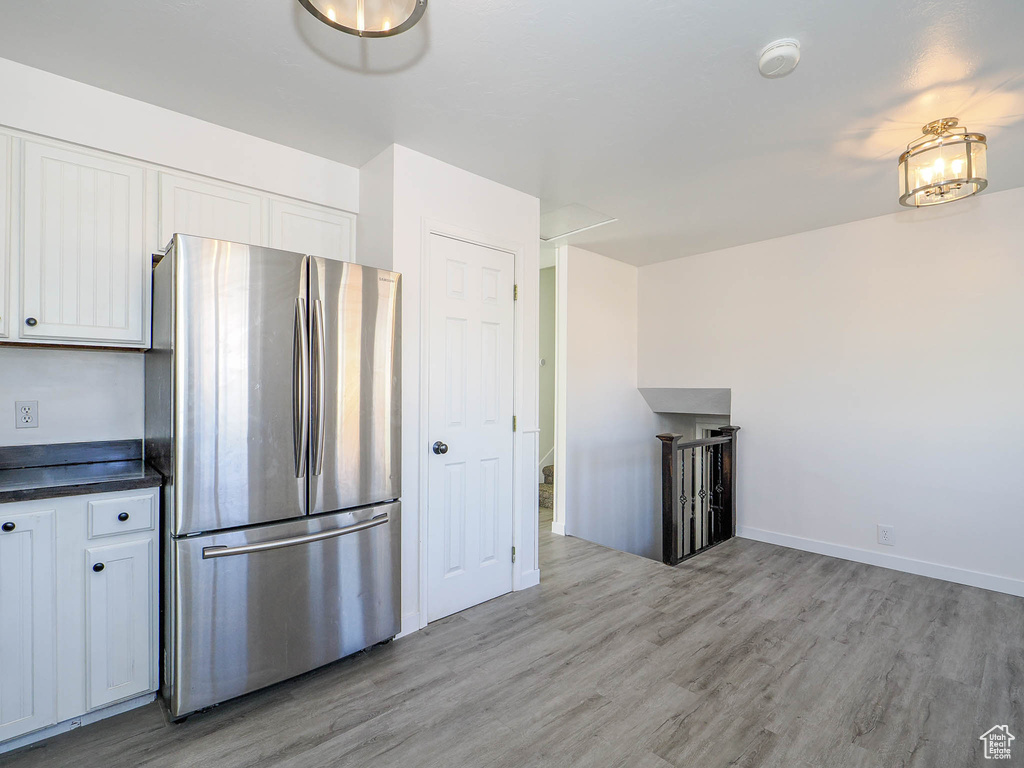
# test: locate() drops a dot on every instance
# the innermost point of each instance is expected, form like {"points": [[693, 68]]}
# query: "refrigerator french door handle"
{"points": [[248, 549], [300, 406], [319, 391]]}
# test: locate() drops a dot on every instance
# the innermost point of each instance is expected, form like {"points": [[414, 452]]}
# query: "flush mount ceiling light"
{"points": [[945, 164], [367, 18]]}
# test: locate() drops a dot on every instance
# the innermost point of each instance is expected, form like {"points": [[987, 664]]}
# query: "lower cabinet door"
{"points": [[119, 621], [28, 688]]}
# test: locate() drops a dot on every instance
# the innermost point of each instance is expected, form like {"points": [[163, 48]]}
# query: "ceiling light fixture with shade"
{"points": [[947, 163], [367, 18]]}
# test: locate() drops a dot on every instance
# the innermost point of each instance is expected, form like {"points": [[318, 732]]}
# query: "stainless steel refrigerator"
{"points": [[273, 411]]}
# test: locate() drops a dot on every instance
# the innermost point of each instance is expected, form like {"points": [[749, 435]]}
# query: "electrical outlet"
{"points": [[886, 535], [26, 414]]}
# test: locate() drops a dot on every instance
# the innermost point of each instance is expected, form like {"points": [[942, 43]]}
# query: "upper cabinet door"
{"points": [[28, 698], [312, 229], [194, 207], [84, 267]]}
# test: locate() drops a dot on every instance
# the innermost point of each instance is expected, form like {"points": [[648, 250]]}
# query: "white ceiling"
{"points": [[651, 111]]}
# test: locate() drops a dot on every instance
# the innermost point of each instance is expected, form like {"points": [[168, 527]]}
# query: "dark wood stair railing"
{"points": [[698, 493]]}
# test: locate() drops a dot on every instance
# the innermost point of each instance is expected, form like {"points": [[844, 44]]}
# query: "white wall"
{"points": [[877, 375], [83, 395], [546, 351], [89, 395], [375, 227], [429, 193], [612, 455]]}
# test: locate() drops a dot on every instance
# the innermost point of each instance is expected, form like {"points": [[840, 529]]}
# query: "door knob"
{"points": [[440, 448]]}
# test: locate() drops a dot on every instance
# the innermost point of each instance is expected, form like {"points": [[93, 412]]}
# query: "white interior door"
{"points": [[469, 486]]}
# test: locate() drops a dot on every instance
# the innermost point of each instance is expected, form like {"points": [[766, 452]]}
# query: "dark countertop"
{"points": [[51, 471]]}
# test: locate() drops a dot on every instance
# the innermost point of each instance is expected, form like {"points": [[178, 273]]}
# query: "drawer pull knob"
{"points": [[7, 527], [98, 567], [123, 517], [31, 322]]}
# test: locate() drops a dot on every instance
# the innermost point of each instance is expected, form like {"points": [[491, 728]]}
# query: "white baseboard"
{"points": [[558, 528], [410, 624], [884, 560], [528, 579], [76, 722]]}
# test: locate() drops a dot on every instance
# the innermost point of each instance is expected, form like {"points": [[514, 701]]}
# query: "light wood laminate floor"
{"points": [[748, 655]]}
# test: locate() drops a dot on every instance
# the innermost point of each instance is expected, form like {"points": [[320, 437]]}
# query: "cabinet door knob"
{"points": [[30, 322], [98, 567], [123, 516], [7, 527]]}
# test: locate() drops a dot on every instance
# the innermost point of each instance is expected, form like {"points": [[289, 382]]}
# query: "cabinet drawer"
{"points": [[111, 517]]}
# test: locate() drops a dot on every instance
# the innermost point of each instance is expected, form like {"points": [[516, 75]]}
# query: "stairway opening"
{"points": [[546, 346], [546, 497]]}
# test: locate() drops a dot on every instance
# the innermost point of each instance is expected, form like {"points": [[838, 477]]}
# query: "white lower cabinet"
{"points": [[27, 611], [119, 602], [78, 608]]}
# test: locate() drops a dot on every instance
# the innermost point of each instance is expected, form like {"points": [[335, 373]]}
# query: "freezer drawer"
{"points": [[254, 607]]}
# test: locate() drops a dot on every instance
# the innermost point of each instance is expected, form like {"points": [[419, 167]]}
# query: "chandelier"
{"points": [[945, 164]]}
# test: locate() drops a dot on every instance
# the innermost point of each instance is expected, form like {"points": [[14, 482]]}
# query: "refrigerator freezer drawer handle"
{"points": [[262, 546]]}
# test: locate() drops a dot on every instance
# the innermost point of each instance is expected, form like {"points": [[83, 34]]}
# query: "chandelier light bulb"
{"points": [[367, 18]]}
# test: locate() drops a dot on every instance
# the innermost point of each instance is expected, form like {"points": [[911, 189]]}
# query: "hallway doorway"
{"points": [[547, 351]]}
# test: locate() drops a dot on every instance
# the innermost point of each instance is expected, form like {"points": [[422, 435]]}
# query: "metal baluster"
{"points": [[693, 500], [718, 493], [704, 526]]}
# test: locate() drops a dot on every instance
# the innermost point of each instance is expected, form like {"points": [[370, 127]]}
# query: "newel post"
{"points": [[669, 524]]}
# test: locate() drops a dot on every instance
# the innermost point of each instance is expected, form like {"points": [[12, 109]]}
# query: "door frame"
{"points": [[702, 424], [525, 442]]}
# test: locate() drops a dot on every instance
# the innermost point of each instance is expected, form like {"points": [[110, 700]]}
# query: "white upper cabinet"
{"points": [[78, 228], [5, 228], [27, 622], [84, 275], [195, 207], [312, 229]]}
